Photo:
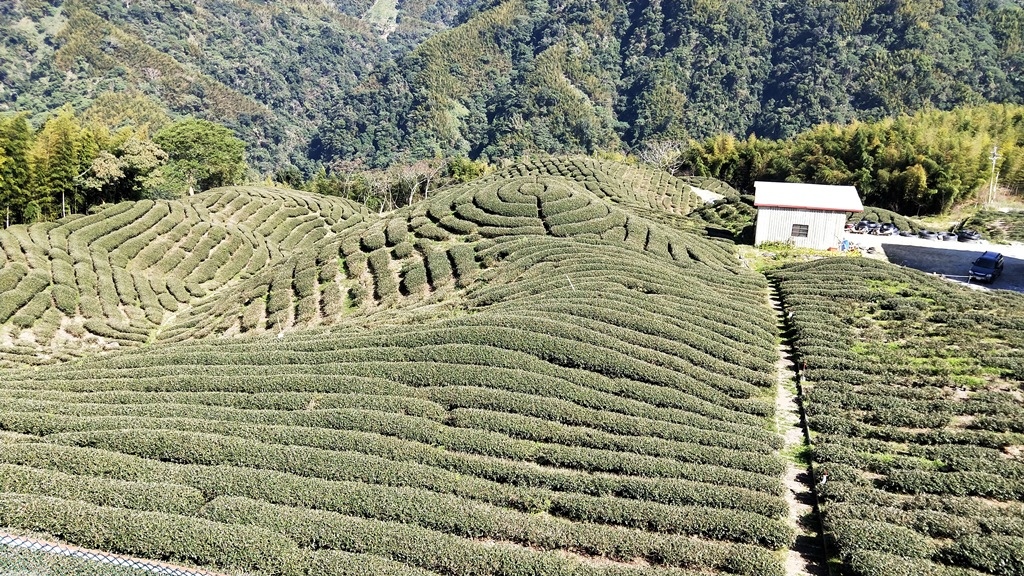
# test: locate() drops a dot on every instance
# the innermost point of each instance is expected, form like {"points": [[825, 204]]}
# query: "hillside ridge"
{"points": [[240, 259], [502, 379]]}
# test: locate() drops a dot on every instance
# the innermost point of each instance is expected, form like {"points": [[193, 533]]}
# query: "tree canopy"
{"points": [[75, 161], [207, 155], [307, 84], [913, 164]]}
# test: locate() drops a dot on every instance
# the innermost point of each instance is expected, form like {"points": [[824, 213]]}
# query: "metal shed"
{"points": [[808, 215]]}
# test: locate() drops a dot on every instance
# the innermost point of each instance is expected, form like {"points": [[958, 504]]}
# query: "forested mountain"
{"points": [[574, 75], [384, 81], [270, 70]]}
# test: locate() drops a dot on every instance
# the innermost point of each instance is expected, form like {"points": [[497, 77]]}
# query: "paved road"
{"points": [[951, 259]]}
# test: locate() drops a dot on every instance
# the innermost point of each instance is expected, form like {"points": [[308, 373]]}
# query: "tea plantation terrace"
{"points": [[538, 372], [546, 371]]}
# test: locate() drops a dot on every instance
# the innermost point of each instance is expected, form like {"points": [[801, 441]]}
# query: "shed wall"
{"points": [[824, 229]]}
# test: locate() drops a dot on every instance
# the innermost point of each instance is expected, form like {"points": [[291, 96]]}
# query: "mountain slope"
{"points": [[307, 82], [580, 76], [536, 372], [504, 379], [251, 259], [270, 71]]}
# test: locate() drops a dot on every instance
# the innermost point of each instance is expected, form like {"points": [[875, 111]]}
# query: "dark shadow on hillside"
{"points": [[954, 263]]}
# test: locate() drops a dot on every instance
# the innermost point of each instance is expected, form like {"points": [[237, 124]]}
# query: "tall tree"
{"points": [[15, 177], [61, 153], [123, 173], [207, 155]]}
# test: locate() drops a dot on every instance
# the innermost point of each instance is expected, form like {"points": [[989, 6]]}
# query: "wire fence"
{"points": [[44, 547]]}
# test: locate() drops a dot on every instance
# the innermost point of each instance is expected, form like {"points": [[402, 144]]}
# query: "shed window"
{"points": [[799, 231]]}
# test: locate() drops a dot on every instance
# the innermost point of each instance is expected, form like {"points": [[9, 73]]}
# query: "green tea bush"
{"points": [[402, 251], [570, 204], [414, 277], [332, 301], [597, 226], [913, 465], [421, 547], [431, 231], [148, 299], [125, 285], [591, 211], [457, 225], [150, 534], [397, 231], [384, 280], [32, 310], [373, 241], [334, 562], [518, 426], [956, 484], [463, 259], [490, 201], [280, 295], [176, 288], [1002, 555], [591, 405], [486, 479], [355, 265], [305, 282], [62, 271], [470, 212], [880, 536], [711, 185], [155, 497], [26, 289]]}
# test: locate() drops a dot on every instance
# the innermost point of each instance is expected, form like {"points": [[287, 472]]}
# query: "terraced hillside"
{"points": [[914, 397], [246, 259], [140, 272], [524, 375]]}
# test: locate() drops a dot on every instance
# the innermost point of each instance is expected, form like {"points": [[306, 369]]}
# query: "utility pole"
{"points": [[994, 157]]}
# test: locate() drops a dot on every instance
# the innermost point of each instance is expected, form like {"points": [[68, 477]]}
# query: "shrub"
{"points": [[995, 554], [150, 534], [463, 259], [402, 251], [431, 231], [384, 281], [373, 241], [397, 231], [414, 277], [439, 267]]}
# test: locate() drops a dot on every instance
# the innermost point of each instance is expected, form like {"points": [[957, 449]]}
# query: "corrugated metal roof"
{"points": [[807, 196]]}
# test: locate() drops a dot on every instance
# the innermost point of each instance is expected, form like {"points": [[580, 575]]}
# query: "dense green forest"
{"points": [[271, 71], [125, 151], [913, 164], [578, 76], [308, 83]]}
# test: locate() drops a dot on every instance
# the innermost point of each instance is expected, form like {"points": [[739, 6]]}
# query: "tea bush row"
{"points": [[326, 428], [367, 449], [450, 555], [911, 468]]}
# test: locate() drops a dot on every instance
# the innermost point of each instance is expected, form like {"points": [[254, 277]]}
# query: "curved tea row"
{"points": [[518, 376]]}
